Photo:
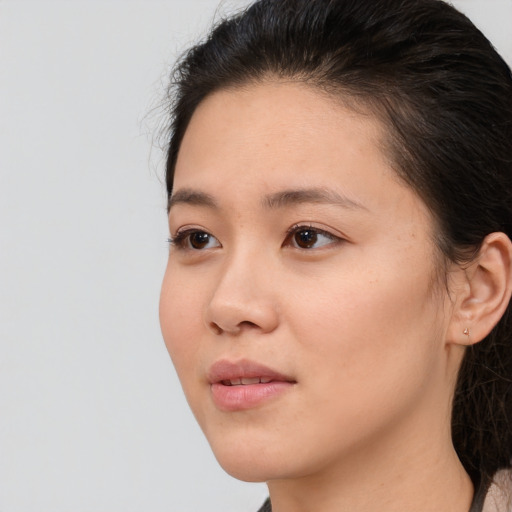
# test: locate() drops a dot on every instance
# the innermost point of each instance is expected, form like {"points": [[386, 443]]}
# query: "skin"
{"points": [[360, 320]]}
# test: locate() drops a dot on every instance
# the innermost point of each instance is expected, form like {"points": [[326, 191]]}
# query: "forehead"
{"points": [[277, 130]]}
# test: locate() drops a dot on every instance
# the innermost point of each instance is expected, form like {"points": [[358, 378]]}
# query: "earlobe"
{"points": [[486, 293]]}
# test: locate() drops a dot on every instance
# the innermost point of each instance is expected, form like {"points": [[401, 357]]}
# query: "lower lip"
{"points": [[241, 398]]}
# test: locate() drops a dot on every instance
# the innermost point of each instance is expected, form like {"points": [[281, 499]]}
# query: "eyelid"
{"points": [[336, 238], [182, 236], [181, 239]]}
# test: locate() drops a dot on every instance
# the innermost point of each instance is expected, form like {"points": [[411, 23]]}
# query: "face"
{"points": [[300, 304]]}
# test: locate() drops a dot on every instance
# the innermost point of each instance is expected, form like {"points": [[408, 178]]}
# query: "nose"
{"points": [[243, 299]]}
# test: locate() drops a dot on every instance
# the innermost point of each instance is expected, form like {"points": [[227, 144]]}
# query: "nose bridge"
{"points": [[243, 296]]}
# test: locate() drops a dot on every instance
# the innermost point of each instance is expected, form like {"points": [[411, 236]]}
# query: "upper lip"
{"points": [[225, 370]]}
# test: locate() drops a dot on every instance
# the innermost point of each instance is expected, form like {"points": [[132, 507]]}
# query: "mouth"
{"points": [[243, 373], [246, 381], [244, 384]]}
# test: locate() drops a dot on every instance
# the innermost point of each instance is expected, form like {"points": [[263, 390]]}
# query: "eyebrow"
{"points": [[193, 198], [276, 200], [310, 195]]}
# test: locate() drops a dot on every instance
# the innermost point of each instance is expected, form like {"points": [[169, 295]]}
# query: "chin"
{"points": [[259, 462], [262, 471], [246, 464], [246, 474]]}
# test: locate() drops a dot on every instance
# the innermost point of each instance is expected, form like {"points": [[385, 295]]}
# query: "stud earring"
{"points": [[466, 331]]}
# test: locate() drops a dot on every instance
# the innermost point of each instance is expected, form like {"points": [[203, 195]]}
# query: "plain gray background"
{"points": [[92, 418]]}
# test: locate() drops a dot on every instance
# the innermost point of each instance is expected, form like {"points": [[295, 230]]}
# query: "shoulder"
{"points": [[499, 495]]}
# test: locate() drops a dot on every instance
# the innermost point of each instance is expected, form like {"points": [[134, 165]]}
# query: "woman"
{"points": [[336, 301]]}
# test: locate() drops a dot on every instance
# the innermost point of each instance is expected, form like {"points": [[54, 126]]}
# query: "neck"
{"points": [[400, 474]]}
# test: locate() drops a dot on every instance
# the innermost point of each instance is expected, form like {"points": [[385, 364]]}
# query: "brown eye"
{"points": [[194, 240], [305, 238], [202, 240], [199, 239]]}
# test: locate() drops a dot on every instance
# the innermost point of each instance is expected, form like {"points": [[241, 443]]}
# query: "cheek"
{"points": [[370, 327], [180, 316], [368, 354]]}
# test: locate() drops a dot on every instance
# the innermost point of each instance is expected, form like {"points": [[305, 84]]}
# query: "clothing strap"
{"points": [[268, 508]]}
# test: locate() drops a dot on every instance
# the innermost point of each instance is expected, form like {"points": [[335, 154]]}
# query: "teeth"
{"points": [[246, 381], [255, 380]]}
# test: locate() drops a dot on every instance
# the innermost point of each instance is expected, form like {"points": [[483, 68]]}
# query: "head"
{"points": [[418, 92]]}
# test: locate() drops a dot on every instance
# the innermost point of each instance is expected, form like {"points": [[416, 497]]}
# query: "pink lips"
{"points": [[242, 385]]}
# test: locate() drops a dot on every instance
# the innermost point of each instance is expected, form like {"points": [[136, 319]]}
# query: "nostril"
{"points": [[215, 328], [247, 324], [225, 314]]}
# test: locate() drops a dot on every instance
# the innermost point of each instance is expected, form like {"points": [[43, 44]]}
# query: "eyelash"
{"points": [[182, 238], [297, 228]]}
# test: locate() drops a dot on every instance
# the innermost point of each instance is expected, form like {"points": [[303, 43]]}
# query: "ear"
{"points": [[482, 292]]}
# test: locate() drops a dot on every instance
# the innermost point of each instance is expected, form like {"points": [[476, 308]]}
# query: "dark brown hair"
{"points": [[446, 97]]}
